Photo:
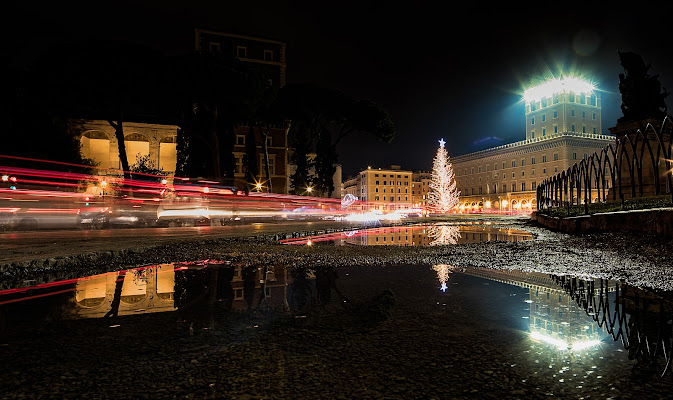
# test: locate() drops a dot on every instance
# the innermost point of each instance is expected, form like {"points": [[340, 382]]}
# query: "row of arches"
{"points": [[102, 147]]}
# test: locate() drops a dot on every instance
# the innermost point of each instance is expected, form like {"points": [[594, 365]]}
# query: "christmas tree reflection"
{"points": [[443, 234], [442, 274]]}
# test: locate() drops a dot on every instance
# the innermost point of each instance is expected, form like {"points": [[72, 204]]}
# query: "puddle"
{"points": [[416, 235], [558, 335]]}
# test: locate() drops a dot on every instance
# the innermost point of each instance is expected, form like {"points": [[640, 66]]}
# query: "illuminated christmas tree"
{"points": [[443, 194]]}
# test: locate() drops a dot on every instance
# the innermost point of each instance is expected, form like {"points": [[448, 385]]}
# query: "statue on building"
{"points": [[642, 96]]}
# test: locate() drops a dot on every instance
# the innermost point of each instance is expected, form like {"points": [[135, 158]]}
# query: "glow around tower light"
{"points": [[554, 86]]}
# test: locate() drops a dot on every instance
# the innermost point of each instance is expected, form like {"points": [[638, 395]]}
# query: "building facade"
{"points": [[381, 189], [563, 125], [277, 147], [420, 188], [99, 143], [266, 54]]}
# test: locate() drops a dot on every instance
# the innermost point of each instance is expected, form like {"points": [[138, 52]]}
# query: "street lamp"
{"points": [[103, 185], [309, 189]]}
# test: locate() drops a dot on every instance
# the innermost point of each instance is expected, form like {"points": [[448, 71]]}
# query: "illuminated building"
{"points": [[100, 143], [382, 189], [563, 126], [158, 141], [420, 187]]}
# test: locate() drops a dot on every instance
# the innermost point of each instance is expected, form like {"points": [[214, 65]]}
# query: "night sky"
{"points": [[440, 72]]}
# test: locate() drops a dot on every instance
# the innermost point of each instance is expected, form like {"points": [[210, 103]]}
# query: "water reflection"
{"points": [[569, 322], [572, 318], [416, 235]]}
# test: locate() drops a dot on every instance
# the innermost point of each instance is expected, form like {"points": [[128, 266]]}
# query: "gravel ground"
{"points": [[641, 260]]}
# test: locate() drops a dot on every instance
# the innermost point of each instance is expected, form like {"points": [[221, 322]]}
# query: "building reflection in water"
{"points": [[416, 235], [572, 316]]}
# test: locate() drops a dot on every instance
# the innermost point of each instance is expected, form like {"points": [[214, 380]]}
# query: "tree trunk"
{"points": [[121, 146], [265, 135]]}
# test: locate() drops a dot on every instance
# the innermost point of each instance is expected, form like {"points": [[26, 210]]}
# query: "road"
{"points": [[31, 245]]}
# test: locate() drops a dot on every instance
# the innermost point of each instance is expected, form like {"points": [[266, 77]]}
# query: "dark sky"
{"points": [[455, 72]]}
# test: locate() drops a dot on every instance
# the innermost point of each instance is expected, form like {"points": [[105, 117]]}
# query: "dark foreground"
{"points": [[419, 343]]}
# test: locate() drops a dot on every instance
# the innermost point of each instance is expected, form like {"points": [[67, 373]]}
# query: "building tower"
{"points": [[562, 105]]}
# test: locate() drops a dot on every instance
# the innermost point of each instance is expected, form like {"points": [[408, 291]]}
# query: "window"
{"points": [[523, 173], [479, 169], [532, 134], [593, 116], [472, 170], [513, 163], [555, 169], [377, 182], [544, 132], [532, 121], [555, 128], [532, 160], [585, 156], [584, 129], [544, 171], [513, 187], [574, 156], [214, 47], [240, 140], [533, 186], [513, 176], [544, 159], [480, 190], [571, 97], [385, 182], [555, 114], [272, 162], [523, 162], [238, 168], [268, 55], [241, 51], [376, 190], [584, 114], [544, 117], [523, 186], [555, 156], [532, 172], [495, 167], [572, 128], [268, 141], [594, 130], [503, 165]]}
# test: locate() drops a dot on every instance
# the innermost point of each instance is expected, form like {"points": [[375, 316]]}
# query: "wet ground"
{"points": [[338, 320], [191, 331]]}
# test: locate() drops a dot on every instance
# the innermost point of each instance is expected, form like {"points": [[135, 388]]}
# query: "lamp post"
{"points": [[103, 185]]}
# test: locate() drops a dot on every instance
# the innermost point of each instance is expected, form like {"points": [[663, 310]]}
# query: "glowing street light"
{"points": [[258, 186], [309, 189]]}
